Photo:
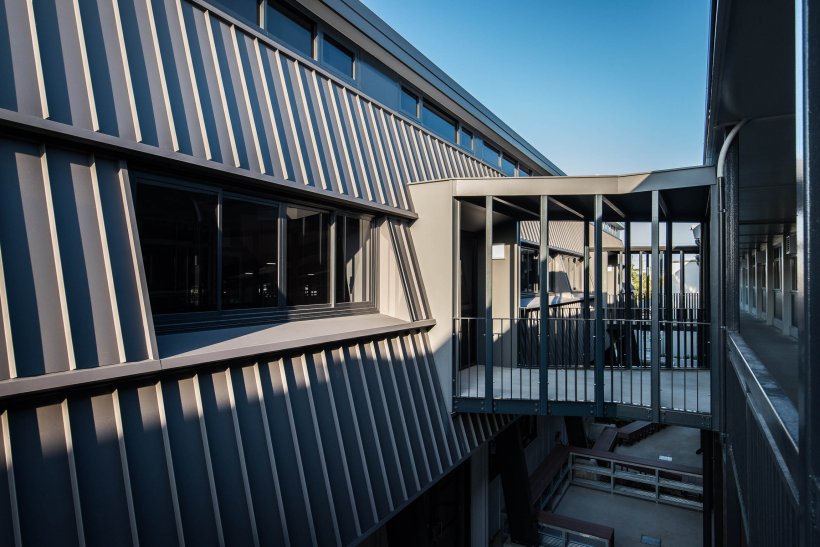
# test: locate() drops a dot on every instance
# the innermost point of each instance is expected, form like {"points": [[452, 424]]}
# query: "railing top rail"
{"points": [[632, 460]]}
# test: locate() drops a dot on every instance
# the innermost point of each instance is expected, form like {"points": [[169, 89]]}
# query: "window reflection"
{"points": [[307, 257], [409, 103], [438, 123], [507, 165], [353, 244], [249, 254], [290, 27], [465, 139], [178, 236], [489, 154], [338, 57]]}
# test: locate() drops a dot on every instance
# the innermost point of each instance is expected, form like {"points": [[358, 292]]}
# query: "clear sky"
{"points": [[598, 86]]}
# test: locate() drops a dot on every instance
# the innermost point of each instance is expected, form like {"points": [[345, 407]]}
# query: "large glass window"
{"points": [[291, 27], [249, 254], [338, 57], [438, 122], [208, 251], [353, 245], [307, 256], [178, 236]]}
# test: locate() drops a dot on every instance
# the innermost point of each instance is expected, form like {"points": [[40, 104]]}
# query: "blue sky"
{"points": [[598, 86]]}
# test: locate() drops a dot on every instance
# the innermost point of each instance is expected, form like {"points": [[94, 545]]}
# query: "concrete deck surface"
{"points": [[679, 443], [776, 350], [631, 518]]}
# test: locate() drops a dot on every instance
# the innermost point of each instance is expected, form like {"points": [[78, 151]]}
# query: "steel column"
{"points": [[543, 295], [599, 306], [488, 303], [654, 298], [585, 311], [628, 292], [807, 37], [667, 293]]}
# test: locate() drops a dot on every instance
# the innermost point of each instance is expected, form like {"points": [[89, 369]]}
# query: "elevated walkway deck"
{"points": [[681, 389]]}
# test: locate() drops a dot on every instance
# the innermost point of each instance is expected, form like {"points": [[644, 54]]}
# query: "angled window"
{"points": [[507, 165], [523, 171], [409, 103], [338, 57], [249, 254], [215, 257], [489, 154], [438, 122], [353, 258], [291, 27], [178, 236], [307, 256]]}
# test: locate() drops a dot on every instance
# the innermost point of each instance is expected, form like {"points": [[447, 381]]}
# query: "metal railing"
{"points": [[509, 366], [672, 485]]}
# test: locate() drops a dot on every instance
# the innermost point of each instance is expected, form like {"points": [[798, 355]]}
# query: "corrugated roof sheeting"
{"points": [[175, 75], [314, 448], [564, 235], [72, 292]]}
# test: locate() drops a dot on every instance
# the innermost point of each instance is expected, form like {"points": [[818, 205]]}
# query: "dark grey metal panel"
{"points": [[156, 507], [180, 77], [74, 290], [263, 478], [33, 276], [94, 435], [227, 457], [45, 487], [193, 471]]}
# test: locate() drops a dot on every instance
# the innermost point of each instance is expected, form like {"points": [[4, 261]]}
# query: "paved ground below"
{"points": [[679, 443], [631, 518]]}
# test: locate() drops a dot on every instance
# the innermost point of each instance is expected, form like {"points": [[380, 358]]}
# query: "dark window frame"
{"points": [[282, 311]]}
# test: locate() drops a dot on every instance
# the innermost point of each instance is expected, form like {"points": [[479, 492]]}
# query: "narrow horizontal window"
{"points": [[438, 122], [307, 256], [490, 154], [353, 259], [250, 262], [338, 57], [523, 171], [178, 235], [409, 103], [465, 139], [291, 27]]}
